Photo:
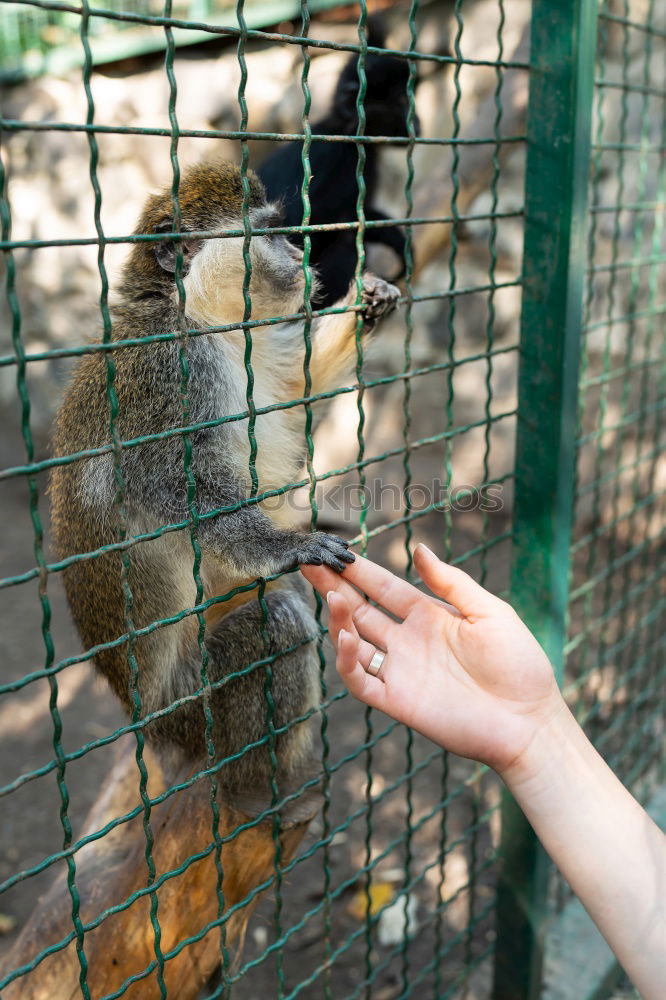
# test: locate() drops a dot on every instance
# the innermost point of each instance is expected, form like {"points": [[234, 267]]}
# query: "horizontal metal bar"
{"points": [[20, 683], [638, 416], [270, 36], [451, 943], [433, 508], [595, 624], [140, 41], [623, 265], [631, 87], [645, 148], [630, 707], [610, 568], [635, 206], [653, 754], [614, 474], [573, 687], [182, 786], [120, 820], [660, 310], [361, 931], [609, 376], [128, 543], [15, 125], [604, 529], [95, 347], [251, 823], [649, 29], [95, 922], [50, 463], [209, 234], [135, 727], [146, 720], [470, 965], [114, 345]]}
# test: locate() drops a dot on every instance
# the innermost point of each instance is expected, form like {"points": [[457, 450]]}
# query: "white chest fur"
{"points": [[277, 433]]}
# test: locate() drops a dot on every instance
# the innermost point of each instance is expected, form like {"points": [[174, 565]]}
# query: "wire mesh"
{"points": [[615, 655], [407, 836], [616, 618]]}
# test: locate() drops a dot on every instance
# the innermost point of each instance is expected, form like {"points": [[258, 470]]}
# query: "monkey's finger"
{"points": [[340, 541], [362, 685], [341, 620], [338, 547], [333, 561]]}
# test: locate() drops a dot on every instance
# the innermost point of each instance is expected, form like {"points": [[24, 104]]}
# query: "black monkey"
{"points": [[333, 187]]}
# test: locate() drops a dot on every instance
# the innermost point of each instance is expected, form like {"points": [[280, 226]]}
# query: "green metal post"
{"points": [[562, 59]]}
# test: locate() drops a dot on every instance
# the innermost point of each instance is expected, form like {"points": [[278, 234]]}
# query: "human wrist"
{"points": [[556, 735]]}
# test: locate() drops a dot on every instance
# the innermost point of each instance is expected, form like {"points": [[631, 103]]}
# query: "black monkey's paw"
{"points": [[321, 549], [379, 298]]}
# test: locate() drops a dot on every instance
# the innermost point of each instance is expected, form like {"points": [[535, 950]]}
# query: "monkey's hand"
{"points": [[319, 549], [379, 298]]}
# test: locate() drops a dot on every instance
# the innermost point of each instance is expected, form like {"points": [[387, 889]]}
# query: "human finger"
{"points": [[362, 685], [321, 577], [374, 625], [341, 620], [453, 585], [383, 586]]}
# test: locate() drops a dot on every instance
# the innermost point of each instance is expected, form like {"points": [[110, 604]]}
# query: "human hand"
{"points": [[464, 670]]}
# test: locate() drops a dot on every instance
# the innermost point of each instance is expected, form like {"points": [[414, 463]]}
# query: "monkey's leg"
{"points": [[246, 704]]}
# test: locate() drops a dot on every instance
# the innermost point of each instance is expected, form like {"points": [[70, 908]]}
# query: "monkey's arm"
{"points": [[242, 535], [390, 236], [333, 355], [249, 541], [393, 236]]}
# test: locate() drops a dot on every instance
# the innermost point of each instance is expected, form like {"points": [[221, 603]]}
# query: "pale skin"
{"points": [[463, 670]]}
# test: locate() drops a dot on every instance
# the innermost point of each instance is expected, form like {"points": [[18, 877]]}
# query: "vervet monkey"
{"points": [[237, 547]]}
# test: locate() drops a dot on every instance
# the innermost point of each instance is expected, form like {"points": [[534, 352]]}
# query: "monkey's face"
{"points": [[214, 269], [217, 274]]}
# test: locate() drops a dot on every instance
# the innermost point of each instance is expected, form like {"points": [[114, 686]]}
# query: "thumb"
{"points": [[453, 585]]}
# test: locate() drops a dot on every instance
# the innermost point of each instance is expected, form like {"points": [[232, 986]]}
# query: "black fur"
{"points": [[333, 187]]}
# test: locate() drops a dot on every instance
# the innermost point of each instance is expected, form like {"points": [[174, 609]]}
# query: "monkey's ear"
{"points": [[166, 250]]}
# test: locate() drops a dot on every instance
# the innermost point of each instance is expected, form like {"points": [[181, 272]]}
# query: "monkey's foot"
{"points": [[321, 549], [378, 300]]}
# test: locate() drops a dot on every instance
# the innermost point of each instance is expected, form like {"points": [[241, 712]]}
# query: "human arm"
{"points": [[466, 673]]}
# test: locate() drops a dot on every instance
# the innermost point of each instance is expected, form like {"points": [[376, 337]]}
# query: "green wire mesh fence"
{"points": [[615, 646], [615, 588], [407, 836], [45, 39]]}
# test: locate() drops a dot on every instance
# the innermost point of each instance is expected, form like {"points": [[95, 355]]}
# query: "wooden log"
{"points": [[110, 869]]}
